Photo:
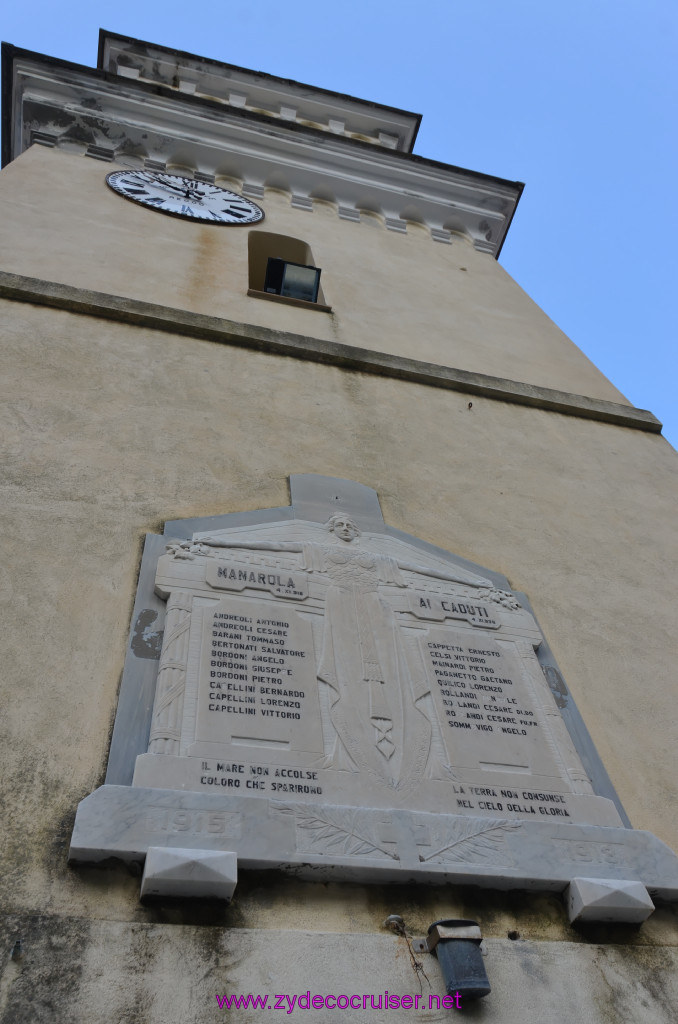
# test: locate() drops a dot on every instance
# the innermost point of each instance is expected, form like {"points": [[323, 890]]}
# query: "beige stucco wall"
{"points": [[111, 429], [404, 294], [108, 430], [162, 973]]}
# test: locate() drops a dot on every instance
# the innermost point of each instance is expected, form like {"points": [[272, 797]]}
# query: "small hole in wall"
{"points": [[513, 935]]}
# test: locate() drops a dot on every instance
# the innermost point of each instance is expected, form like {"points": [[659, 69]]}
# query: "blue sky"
{"points": [[578, 99]]}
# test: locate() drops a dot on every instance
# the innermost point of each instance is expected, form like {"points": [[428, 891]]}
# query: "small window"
{"points": [[283, 269], [295, 280]]}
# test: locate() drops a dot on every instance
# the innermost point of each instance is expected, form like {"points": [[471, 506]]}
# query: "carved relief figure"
{"points": [[373, 695]]}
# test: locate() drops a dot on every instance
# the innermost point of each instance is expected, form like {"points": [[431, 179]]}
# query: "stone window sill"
{"points": [[288, 301]]}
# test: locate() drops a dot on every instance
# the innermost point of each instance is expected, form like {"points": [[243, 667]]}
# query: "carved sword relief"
{"points": [[169, 695]]}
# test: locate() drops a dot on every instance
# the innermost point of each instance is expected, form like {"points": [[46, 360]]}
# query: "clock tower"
{"points": [[268, 387]]}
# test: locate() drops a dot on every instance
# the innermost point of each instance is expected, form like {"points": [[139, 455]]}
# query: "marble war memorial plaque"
{"points": [[330, 695]]}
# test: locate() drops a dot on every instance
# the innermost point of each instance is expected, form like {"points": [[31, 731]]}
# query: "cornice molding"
{"points": [[293, 101], [130, 122], [216, 329]]}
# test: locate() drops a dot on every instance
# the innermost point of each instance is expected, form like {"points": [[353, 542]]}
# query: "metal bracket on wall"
{"points": [[440, 931]]}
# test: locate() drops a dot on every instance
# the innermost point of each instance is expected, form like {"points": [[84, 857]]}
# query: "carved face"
{"points": [[344, 528]]}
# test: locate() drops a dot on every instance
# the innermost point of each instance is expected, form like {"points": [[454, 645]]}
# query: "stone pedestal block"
{"points": [[608, 899], [170, 871]]}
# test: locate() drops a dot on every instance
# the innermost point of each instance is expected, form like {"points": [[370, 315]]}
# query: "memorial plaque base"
{"points": [[328, 841]]}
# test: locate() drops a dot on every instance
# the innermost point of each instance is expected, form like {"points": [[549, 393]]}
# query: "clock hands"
{"points": [[195, 192], [185, 193], [192, 195]]}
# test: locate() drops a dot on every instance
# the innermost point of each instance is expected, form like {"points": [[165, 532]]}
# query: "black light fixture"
{"points": [[457, 946], [294, 280]]}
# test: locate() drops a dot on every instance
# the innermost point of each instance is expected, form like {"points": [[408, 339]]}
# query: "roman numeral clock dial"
{"points": [[184, 197]]}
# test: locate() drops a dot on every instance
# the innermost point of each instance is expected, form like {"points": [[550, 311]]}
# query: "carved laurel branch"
{"points": [[502, 597], [335, 830], [465, 839], [187, 549]]}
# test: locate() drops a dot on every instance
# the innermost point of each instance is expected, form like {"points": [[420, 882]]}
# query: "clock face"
{"points": [[184, 197]]}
